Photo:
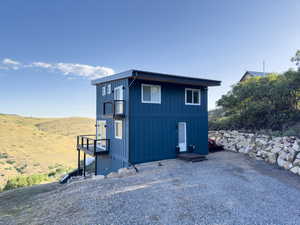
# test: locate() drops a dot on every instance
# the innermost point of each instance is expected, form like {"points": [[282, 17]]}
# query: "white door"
{"points": [[182, 136], [101, 133]]}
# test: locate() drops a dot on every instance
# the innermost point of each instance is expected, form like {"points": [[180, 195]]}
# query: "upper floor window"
{"points": [[118, 93], [151, 93], [109, 89], [103, 91], [192, 96]]}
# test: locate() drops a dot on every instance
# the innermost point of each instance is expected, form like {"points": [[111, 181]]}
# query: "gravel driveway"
{"points": [[229, 188]]}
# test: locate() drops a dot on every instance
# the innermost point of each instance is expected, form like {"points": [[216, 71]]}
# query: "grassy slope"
{"points": [[37, 145]]}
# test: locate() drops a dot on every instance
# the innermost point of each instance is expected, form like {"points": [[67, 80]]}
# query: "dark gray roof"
{"points": [[161, 77], [254, 74], [257, 74]]}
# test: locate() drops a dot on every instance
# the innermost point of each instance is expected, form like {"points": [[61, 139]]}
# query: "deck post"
{"points": [[84, 164], [96, 159], [78, 171]]}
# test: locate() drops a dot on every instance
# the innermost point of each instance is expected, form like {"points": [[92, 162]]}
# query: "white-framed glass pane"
{"points": [[118, 129], [109, 89], [196, 97], [118, 93], [189, 96], [119, 107], [147, 93], [101, 133], [103, 90], [155, 94]]}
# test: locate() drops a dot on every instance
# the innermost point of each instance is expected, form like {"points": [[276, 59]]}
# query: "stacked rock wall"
{"points": [[284, 151]]}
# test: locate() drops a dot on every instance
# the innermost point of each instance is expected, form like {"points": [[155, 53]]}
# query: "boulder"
{"points": [[296, 147], [126, 171], [280, 161], [287, 165], [296, 162], [276, 149], [112, 175], [290, 156], [295, 170], [271, 158]]}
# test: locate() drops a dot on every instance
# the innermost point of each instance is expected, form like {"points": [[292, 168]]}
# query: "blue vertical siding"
{"points": [[153, 127], [118, 155], [150, 131]]}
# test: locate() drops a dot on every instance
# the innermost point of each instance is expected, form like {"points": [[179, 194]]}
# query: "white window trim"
{"points": [[122, 92], [121, 122], [192, 89], [103, 90], [151, 102], [108, 89], [100, 123]]}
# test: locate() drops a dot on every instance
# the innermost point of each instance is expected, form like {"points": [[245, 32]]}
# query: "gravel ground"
{"points": [[229, 188]]}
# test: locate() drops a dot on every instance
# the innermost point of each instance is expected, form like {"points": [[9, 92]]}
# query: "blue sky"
{"points": [[49, 50]]}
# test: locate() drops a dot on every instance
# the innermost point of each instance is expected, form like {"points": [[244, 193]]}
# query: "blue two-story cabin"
{"points": [[146, 116]]}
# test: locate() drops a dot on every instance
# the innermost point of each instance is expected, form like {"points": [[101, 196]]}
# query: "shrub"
{"points": [[270, 102], [3, 155], [25, 181], [10, 161], [21, 169]]}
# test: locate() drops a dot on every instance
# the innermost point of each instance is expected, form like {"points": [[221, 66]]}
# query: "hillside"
{"points": [[38, 145]]}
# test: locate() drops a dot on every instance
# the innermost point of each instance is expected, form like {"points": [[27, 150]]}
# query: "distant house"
{"points": [[249, 74], [146, 116]]}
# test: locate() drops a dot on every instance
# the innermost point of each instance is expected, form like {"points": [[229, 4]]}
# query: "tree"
{"points": [[268, 102], [296, 59]]}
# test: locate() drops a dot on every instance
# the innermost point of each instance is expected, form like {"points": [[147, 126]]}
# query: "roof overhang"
{"points": [[159, 77]]}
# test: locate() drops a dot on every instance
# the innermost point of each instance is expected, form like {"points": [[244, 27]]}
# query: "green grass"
{"points": [[30, 146]]}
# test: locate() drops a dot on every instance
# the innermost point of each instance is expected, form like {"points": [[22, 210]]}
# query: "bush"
{"points": [[10, 161], [3, 155], [25, 181], [270, 103]]}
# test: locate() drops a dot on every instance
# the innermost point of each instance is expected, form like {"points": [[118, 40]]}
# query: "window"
{"points": [[118, 93], [101, 133], [109, 89], [118, 129], [192, 96], [103, 91], [151, 93]]}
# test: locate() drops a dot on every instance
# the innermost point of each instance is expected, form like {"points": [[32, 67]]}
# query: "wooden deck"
{"points": [[192, 157]]}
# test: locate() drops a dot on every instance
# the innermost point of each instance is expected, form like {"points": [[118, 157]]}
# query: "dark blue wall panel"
{"points": [[153, 127], [118, 147]]}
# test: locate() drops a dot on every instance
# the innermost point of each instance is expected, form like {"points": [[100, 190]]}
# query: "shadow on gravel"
{"points": [[14, 201]]}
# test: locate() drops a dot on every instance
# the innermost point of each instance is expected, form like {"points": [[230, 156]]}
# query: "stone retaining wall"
{"points": [[284, 151]]}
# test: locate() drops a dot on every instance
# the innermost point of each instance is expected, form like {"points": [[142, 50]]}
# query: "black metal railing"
{"points": [[115, 108], [91, 144]]}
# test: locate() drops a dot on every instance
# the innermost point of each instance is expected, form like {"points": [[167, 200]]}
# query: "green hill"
{"points": [[39, 145]]}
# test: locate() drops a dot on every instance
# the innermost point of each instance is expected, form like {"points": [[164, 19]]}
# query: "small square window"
{"points": [[109, 89], [192, 96], [118, 129], [151, 93], [103, 91]]}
